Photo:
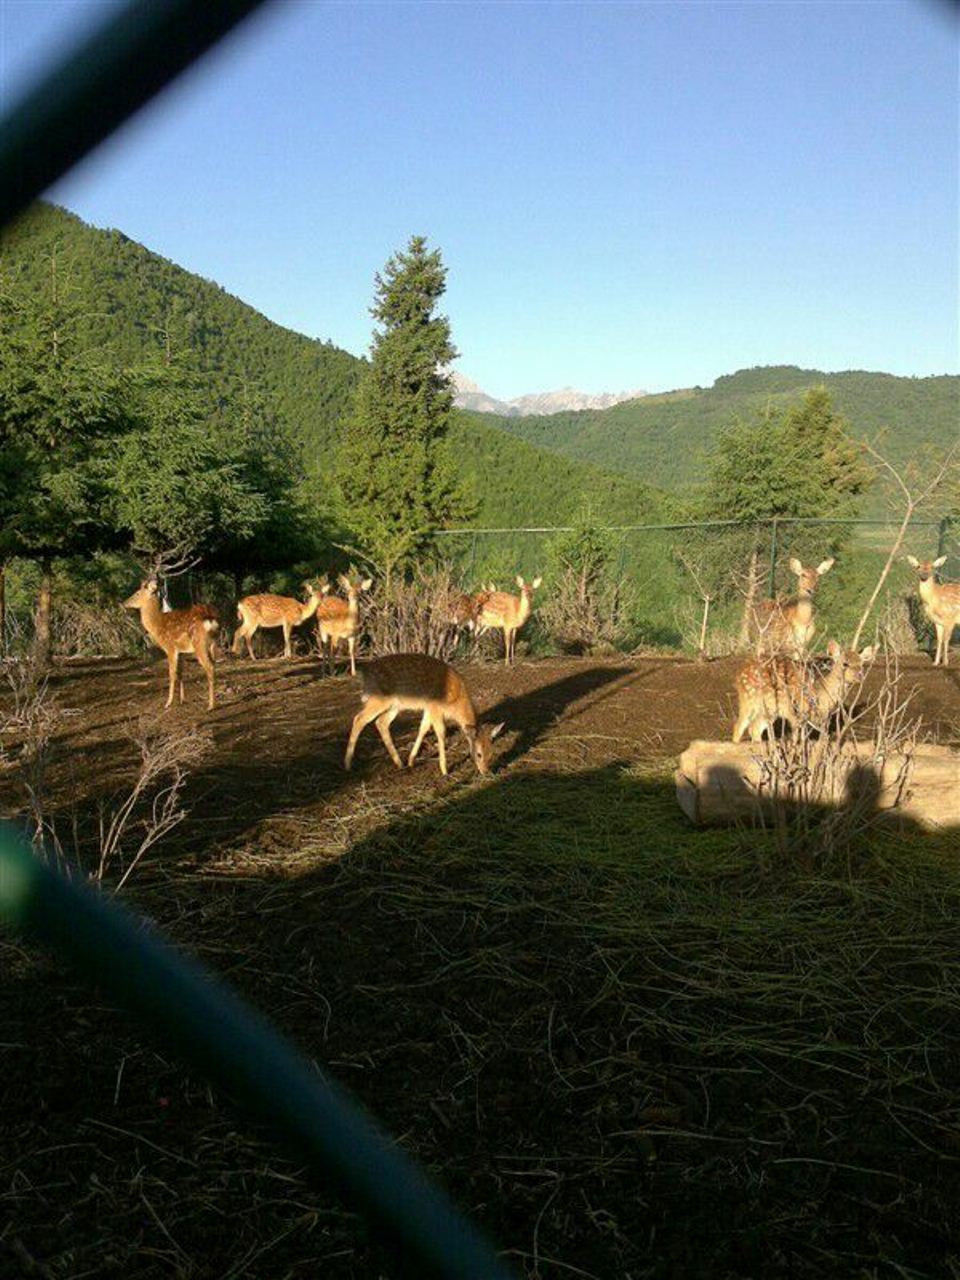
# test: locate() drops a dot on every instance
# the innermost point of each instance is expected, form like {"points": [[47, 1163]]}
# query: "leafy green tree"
{"points": [[215, 479], [800, 463], [62, 412], [395, 477]]}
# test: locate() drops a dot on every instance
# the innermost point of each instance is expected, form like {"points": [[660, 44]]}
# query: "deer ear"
{"points": [[914, 561], [496, 728], [519, 582], [939, 561], [343, 580], [869, 653], [795, 566], [366, 584], [825, 565], [834, 650], [536, 582]]}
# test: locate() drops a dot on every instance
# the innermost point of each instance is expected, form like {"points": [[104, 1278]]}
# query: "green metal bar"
{"points": [[107, 77], [672, 528], [212, 1029], [942, 536], [772, 582]]}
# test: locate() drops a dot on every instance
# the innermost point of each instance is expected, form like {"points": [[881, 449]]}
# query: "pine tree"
{"points": [[61, 414], [394, 475]]}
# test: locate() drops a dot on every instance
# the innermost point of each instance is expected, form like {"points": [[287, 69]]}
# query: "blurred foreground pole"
{"points": [[111, 74], [213, 1031]]}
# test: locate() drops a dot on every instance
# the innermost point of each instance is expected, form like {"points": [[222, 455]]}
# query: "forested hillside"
{"points": [[667, 438], [133, 305]]}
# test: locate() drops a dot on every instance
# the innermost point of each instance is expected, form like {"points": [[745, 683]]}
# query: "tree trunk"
{"points": [[750, 599], [41, 638]]}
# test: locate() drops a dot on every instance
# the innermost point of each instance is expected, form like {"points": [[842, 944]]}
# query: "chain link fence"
{"points": [[688, 586]]}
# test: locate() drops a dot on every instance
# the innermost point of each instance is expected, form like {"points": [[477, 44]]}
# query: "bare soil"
{"points": [[462, 995]]}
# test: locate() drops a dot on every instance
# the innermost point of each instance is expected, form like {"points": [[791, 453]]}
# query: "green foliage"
{"points": [[799, 463], [131, 307], [61, 413], [395, 474], [667, 439]]}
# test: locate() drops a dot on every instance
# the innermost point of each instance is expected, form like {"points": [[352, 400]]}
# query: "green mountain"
{"points": [[666, 439], [133, 305]]}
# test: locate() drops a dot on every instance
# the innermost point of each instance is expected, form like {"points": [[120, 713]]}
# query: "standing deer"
{"points": [[177, 631], [798, 693], [259, 611], [417, 682], [941, 604], [507, 612], [788, 625], [464, 609], [340, 619]]}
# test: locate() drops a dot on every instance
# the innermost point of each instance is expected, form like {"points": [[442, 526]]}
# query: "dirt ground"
{"points": [[290, 879]]}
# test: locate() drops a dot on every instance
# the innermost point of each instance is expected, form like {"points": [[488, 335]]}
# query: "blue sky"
{"points": [[625, 195]]}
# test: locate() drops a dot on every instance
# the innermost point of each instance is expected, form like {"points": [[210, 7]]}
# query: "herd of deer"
{"points": [[779, 683]]}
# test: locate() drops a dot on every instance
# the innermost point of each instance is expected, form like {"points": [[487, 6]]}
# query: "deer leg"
{"points": [[248, 636], [947, 637], [383, 724], [287, 651], [740, 728], [421, 734], [440, 729], [364, 716], [757, 728], [172, 669], [939, 650], [238, 639], [350, 644], [205, 659]]}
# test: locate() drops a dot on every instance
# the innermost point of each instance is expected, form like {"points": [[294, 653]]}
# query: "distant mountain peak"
{"points": [[469, 395]]}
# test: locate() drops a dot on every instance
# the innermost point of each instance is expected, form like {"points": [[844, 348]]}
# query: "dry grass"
{"points": [[630, 1049]]}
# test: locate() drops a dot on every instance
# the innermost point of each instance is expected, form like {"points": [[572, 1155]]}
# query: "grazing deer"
{"points": [[177, 631], [340, 619], [796, 692], [941, 604], [787, 625], [259, 611], [417, 682], [507, 612]]}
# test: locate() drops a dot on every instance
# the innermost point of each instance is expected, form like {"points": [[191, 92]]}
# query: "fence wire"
{"points": [[667, 577]]}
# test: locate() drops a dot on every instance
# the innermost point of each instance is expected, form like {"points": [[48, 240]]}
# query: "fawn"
{"points": [[507, 612], [177, 631], [941, 604], [340, 619], [788, 624], [267, 610], [418, 682], [803, 692]]}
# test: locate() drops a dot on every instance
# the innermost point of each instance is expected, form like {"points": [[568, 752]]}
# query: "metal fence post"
{"points": [[473, 559], [771, 586], [942, 536]]}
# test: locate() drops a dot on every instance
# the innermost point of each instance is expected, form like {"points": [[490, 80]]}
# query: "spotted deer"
{"points": [[941, 604], [508, 613], [465, 607], [339, 620], [267, 610], [418, 682], [787, 625], [796, 692], [177, 631]]}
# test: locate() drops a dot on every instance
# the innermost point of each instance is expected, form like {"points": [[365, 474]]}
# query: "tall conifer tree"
{"points": [[395, 478]]}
